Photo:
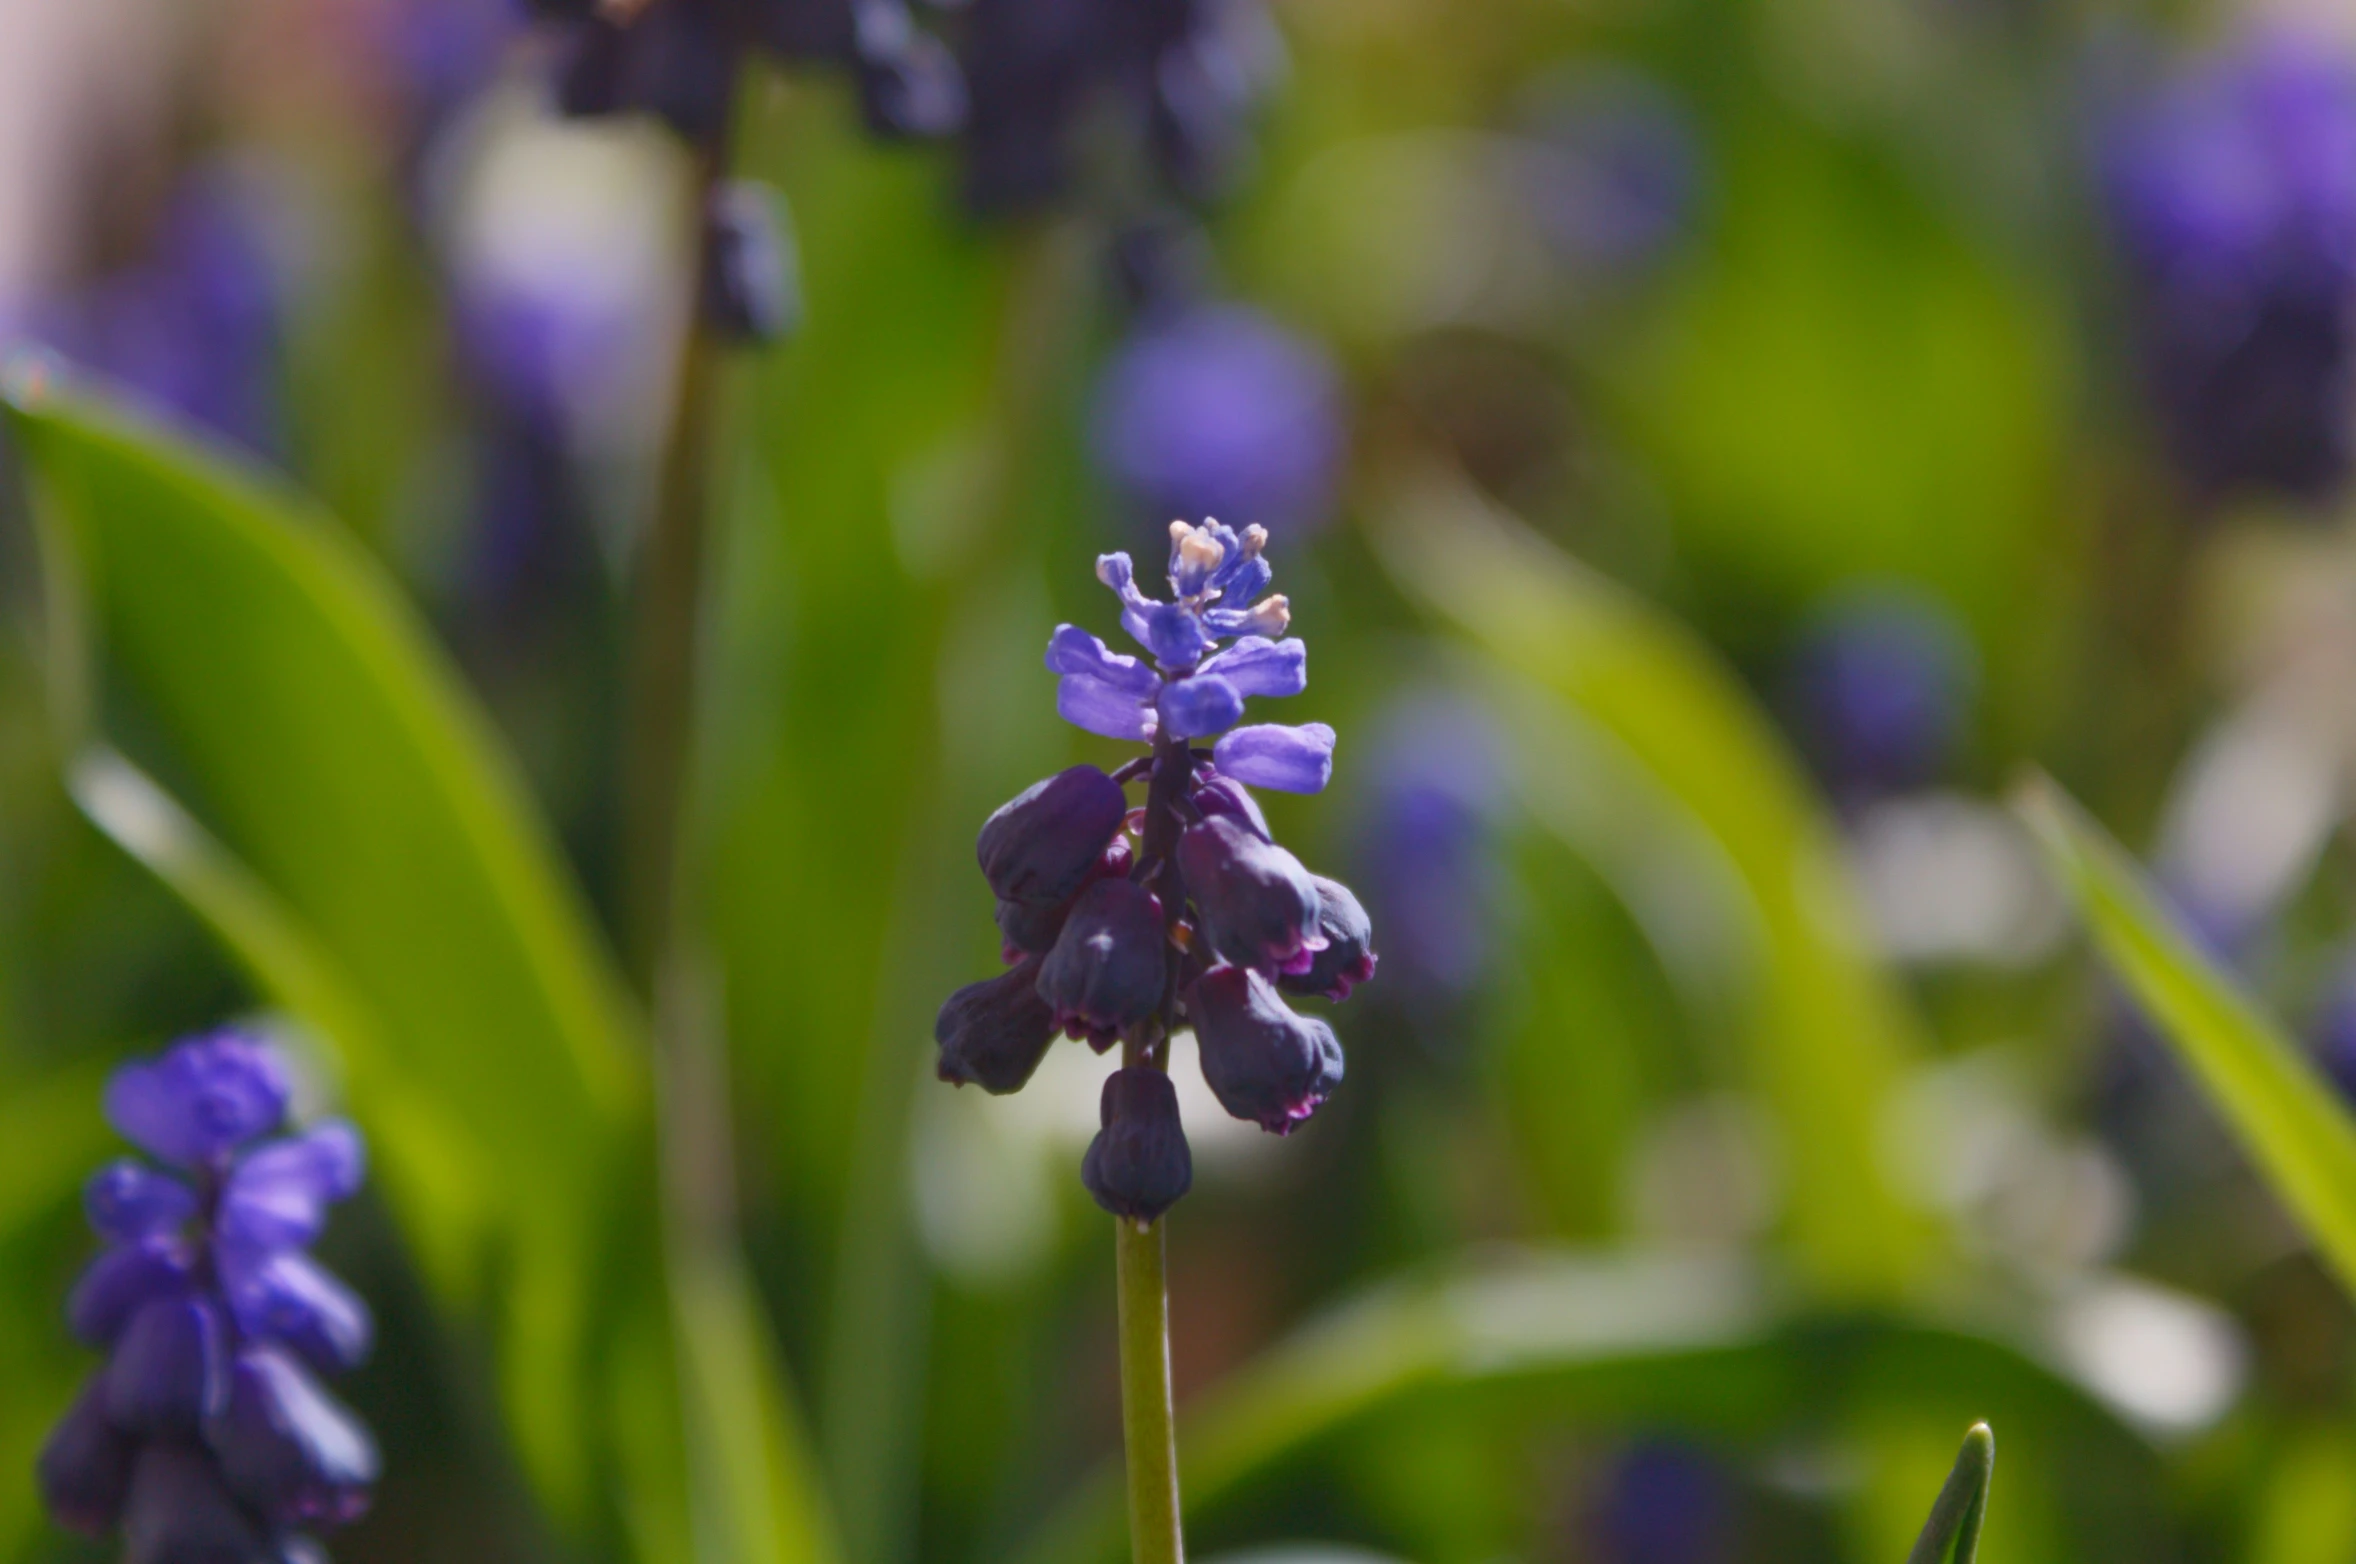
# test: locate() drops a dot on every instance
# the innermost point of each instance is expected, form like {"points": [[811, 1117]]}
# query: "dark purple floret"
{"points": [[994, 1033], [1878, 693], [1263, 1062], [1665, 1503], [1110, 966], [1218, 410], [85, 1467], [1138, 1166], [1348, 957], [750, 290], [287, 1448], [1042, 846], [200, 1438], [1258, 906], [1228, 798]]}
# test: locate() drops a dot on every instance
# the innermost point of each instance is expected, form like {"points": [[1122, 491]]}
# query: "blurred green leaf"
{"points": [[1832, 1030], [2286, 1116], [358, 841], [1952, 1533]]}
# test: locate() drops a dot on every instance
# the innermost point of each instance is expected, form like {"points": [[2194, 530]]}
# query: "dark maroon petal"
{"points": [[1263, 1062], [1348, 957], [1257, 905], [1043, 846], [993, 1034], [1138, 1165], [1110, 966]]}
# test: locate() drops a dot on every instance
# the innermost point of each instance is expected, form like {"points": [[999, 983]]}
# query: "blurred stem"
{"points": [[659, 729], [1149, 1430]]}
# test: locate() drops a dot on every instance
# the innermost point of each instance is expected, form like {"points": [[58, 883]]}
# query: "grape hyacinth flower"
{"points": [[1204, 920], [206, 1435], [2232, 193], [1878, 692], [1613, 167]]}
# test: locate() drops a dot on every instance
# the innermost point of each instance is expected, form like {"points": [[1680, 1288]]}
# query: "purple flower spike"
{"points": [[1138, 1165], [1290, 760], [993, 1034], [201, 1438], [201, 1101], [1258, 905], [1263, 1062]]}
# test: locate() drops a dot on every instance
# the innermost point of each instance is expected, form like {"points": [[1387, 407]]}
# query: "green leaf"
{"points": [[1832, 1032], [343, 819], [2285, 1115], [1952, 1534]]}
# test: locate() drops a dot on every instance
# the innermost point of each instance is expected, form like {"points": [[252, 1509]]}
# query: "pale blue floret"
{"points": [[1196, 688]]}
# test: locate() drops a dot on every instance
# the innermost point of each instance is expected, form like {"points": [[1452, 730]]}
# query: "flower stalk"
{"points": [[1149, 1432]]}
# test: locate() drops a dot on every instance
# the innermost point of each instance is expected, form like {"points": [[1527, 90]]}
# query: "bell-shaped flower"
{"points": [[1348, 957], [170, 1367], [1257, 905], [1109, 967], [1263, 1062], [1138, 1165], [1043, 845], [84, 1469], [284, 1295], [993, 1034], [288, 1448]]}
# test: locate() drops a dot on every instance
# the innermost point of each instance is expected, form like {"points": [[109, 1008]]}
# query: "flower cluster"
{"points": [[1202, 920], [206, 1435], [2233, 194]]}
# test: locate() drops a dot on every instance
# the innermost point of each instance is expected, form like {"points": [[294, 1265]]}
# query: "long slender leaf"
{"points": [[2285, 1115], [1833, 1032]]}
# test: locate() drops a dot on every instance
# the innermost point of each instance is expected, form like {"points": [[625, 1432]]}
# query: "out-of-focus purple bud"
{"points": [[128, 1201], [85, 1466], [1878, 692], [1220, 411], [170, 1368], [1263, 1062], [120, 1282], [1201, 706], [1138, 1166], [1042, 846], [1227, 798], [1426, 841], [278, 1195], [1290, 760], [287, 1447], [1614, 170], [1110, 965], [200, 1100], [751, 287], [285, 1296], [1258, 905], [2233, 191], [178, 1511], [994, 1033], [1348, 957], [1664, 1503]]}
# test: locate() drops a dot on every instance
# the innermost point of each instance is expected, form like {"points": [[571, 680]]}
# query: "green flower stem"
{"points": [[1148, 1428]]}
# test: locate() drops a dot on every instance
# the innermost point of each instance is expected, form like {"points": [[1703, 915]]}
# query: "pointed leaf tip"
{"points": [[1952, 1534]]}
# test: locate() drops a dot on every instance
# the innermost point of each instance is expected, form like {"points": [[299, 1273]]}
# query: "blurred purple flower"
{"points": [[2232, 192], [1427, 844], [2332, 1036], [193, 328], [1218, 410], [1878, 693], [206, 1434], [1665, 1502], [1614, 170]]}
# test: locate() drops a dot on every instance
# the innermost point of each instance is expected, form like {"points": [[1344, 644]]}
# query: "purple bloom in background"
{"points": [[1427, 841], [2332, 1036], [1613, 169], [206, 1434], [2232, 193], [193, 328], [1877, 693], [1218, 410], [1664, 1502], [1199, 923]]}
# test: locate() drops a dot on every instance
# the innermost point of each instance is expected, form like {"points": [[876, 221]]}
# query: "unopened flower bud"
{"points": [[1348, 957], [1042, 846], [1138, 1165], [85, 1467], [289, 1449], [1227, 797], [1025, 929], [178, 1509], [993, 1034], [1108, 968], [1258, 905], [1263, 1062]]}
